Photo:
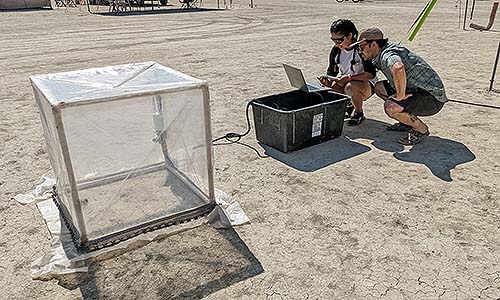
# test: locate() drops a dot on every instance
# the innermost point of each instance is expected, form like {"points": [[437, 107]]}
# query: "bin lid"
{"points": [[111, 82]]}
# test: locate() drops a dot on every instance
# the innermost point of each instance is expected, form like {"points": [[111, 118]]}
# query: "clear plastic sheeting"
{"points": [[41, 192], [231, 209], [130, 145], [63, 258], [111, 82]]}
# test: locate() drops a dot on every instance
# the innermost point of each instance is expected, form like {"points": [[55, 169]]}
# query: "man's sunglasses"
{"points": [[364, 44], [339, 40]]}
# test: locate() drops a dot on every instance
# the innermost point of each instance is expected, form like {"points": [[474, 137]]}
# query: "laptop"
{"points": [[296, 78]]}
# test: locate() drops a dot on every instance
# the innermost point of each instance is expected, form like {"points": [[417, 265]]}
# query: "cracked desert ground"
{"points": [[358, 217]]}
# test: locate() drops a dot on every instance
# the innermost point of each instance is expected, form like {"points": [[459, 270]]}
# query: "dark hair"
{"points": [[381, 43], [344, 27]]}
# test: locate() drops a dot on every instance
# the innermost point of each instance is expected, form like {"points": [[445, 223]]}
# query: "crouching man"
{"points": [[412, 89]]}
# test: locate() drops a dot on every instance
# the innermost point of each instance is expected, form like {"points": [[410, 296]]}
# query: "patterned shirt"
{"points": [[419, 74]]}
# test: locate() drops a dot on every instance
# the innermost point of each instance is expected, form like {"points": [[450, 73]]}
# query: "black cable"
{"points": [[474, 104], [234, 138], [253, 148], [229, 135], [321, 96]]}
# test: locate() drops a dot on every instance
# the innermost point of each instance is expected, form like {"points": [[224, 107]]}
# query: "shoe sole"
{"points": [[405, 142], [352, 122]]}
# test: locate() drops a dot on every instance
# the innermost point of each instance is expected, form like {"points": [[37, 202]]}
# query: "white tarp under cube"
{"points": [[130, 147]]}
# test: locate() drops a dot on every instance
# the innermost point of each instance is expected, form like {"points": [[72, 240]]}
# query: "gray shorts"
{"points": [[421, 103]]}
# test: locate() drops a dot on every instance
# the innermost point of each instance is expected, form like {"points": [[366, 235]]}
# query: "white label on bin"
{"points": [[317, 123]]}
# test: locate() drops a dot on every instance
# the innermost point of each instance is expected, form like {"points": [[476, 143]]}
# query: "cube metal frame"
{"points": [[79, 234]]}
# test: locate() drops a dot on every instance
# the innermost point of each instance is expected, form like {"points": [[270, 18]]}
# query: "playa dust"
{"points": [[358, 217]]}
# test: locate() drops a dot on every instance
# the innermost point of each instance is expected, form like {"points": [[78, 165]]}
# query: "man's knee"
{"points": [[391, 108]]}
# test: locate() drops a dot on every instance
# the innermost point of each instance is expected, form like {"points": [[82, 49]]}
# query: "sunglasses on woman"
{"points": [[338, 40]]}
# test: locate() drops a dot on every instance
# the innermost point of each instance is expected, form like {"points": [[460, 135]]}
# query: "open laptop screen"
{"points": [[295, 76]]}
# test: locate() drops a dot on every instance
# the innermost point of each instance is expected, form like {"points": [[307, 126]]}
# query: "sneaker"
{"points": [[357, 118], [348, 110], [414, 137]]}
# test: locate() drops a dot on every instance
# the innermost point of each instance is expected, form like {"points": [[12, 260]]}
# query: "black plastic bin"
{"points": [[297, 119]]}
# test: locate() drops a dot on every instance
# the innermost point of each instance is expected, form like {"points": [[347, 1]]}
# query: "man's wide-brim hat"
{"points": [[370, 34]]}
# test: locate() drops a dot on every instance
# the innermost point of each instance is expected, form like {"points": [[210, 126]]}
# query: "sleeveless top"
{"points": [[349, 62]]}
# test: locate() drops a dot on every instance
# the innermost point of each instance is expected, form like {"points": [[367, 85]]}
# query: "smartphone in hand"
{"points": [[326, 80], [332, 78]]}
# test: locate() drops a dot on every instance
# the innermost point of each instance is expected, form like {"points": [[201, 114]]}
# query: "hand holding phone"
{"points": [[327, 80], [330, 77]]}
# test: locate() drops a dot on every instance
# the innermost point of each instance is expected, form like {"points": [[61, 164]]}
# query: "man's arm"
{"points": [[399, 76]]}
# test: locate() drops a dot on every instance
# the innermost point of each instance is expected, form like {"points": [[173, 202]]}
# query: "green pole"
{"points": [[422, 20]]}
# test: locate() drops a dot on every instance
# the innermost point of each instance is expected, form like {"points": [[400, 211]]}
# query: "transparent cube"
{"points": [[130, 147]]}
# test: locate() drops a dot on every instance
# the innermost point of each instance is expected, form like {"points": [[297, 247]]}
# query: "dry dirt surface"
{"points": [[358, 217]]}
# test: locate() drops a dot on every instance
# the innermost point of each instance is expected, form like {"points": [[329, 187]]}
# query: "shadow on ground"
{"points": [[188, 265], [438, 154], [318, 156]]}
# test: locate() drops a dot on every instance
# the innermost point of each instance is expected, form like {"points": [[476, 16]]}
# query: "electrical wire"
{"points": [[234, 138], [474, 104], [321, 96]]}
